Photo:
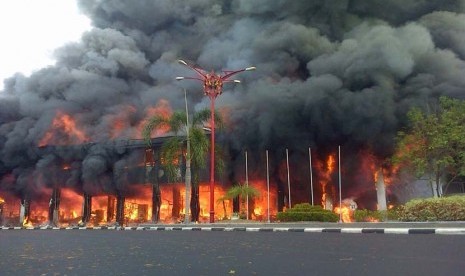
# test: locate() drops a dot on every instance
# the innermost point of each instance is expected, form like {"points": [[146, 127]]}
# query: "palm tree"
{"points": [[242, 192], [174, 147]]}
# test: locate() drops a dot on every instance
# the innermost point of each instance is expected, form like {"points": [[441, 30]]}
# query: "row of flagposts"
{"points": [[289, 182]]}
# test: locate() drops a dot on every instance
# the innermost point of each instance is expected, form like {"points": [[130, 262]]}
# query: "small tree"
{"points": [[434, 144], [242, 192]]}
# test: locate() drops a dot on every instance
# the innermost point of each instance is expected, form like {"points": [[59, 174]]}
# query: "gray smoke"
{"points": [[330, 72]]}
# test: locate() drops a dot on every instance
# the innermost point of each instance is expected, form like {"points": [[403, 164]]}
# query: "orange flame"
{"points": [[120, 121], [346, 210], [346, 213], [370, 165], [138, 207], [162, 108], [326, 172], [63, 125], [26, 222]]}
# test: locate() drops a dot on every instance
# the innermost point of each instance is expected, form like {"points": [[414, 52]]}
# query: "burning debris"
{"points": [[346, 210], [330, 73]]}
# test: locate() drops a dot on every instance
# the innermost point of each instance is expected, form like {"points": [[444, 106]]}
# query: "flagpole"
{"points": [[340, 193], [288, 178], [311, 172], [268, 185], [247, 183]]}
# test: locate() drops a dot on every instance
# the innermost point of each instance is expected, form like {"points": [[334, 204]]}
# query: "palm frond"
{"points": [[170, 153], [172, 148], [219, 160], [177, 121], [241, 190], [203, 116], [200, 146], [219, 123], [153, 123]]}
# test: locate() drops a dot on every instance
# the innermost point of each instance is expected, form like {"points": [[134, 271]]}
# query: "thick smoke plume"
{"points": [[330, 72]]}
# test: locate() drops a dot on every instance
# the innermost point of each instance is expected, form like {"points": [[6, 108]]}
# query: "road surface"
{"points": [[112, 252]]}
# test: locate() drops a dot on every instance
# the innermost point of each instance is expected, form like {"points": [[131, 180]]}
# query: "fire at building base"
{"points": [[66, 207], [134, 189], [141, 201]]}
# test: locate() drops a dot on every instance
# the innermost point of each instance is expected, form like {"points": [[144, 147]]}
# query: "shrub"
{"points": [[307, 212], [305, 207], [364, 215], [394, 213], [434, 209]]}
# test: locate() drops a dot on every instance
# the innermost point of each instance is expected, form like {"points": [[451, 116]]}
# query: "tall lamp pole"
{"points": [[212, 87], [188, 164]]}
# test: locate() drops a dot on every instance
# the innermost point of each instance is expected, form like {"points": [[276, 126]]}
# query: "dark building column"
{"points": [[25, 210], [151, 176], [111, 210], [87, 208], [120, 209], [175, 211], [2, 204], [54, 207]]}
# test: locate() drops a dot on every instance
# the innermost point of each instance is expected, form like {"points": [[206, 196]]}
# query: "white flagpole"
{"points": [[311, 172], [340, 193], [247, 184], [288, 178], [268, 185]]}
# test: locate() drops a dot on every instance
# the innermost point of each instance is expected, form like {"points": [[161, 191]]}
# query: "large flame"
{"points": [[346, 210], [345, 213], [326, 171], [63, 131], [162, 108], [120, 121]]}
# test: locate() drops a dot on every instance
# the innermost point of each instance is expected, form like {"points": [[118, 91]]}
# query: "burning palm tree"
{"points": [[175, 146]]}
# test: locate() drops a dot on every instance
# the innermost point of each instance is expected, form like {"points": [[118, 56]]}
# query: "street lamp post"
{"points": [[188, 164], [212, 87]]}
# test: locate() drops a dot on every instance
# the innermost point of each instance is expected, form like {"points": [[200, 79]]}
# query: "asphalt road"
{"points": [[111, 252]]}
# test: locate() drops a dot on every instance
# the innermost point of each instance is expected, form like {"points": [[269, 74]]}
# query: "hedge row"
{"points": [[307, 212], [430, 209], [434, 209], [364, 215]]}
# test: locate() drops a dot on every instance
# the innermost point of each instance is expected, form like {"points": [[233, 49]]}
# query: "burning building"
{"points": [[330, 73]]}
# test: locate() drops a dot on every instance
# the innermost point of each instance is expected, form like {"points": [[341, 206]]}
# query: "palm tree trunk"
{"points": [[156, 202], [243, 208], [195, 202], [176, 203], [225, 216], [152, 175], [54, 206]]}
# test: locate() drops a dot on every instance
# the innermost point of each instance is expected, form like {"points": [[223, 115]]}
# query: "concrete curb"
{"points": [[441, 231]]}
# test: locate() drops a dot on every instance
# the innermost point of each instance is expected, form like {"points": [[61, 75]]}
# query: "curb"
{"points": [[442, 231]]}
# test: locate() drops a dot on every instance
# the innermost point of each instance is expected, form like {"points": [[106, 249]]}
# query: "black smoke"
{"points": [[330, 72]]}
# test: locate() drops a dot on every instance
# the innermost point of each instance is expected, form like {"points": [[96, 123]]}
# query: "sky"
{"points": [[31, 30]]}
